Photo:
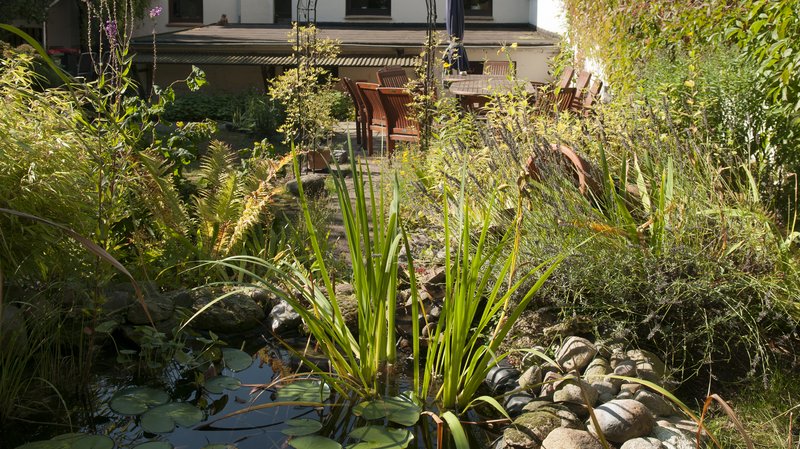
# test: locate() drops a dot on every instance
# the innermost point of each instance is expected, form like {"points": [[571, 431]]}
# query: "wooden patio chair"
{"points": [[392, 76], [503, 68], [475, 104], [400, 121], [566, 77], [376, 116], [581, 86], [361, 113], [592, 95], [554, 101]]}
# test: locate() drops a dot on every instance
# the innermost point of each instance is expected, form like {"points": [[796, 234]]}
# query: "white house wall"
{"points": [[415, 11], [548, 15]]}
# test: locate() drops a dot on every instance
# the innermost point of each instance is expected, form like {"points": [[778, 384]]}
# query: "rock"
{"points": [[563, 438], [13, 330], [348, 305], [435, 312], [340, 155], [623, 419], [531, 379], [576, 392], [575, 353], [502, 379], [654, 402], [642, 443], [604, 387], [549, 383], [648, 365], [625, 368], [624, 394], [567, 417], [433, 283], [597, 370], [673, 438], [530, 429], [313, 185], [617, 356], [238, 311], [579, 325], [159, 306], [283, 319], [344, 289], [604, 397], [631, 388]]}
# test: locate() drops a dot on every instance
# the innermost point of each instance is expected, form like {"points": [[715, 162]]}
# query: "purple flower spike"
{"points": [[155, 12], [111, 29]]}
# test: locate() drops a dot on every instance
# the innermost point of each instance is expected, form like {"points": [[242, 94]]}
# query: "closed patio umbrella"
{"points": [[456, 54]]}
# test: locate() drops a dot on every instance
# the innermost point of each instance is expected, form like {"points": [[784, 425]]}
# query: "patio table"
{"points": [[488, 86]]}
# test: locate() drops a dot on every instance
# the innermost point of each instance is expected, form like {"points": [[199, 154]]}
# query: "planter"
{"points": [[319, 160]]}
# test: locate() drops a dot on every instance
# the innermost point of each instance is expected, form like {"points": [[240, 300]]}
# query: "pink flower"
{"points": [[155, 12]]}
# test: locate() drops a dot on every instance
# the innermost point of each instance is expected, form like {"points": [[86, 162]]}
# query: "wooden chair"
{"points": [[376, 116], [474, 103], [392, 76], [361, 113], [400, 121], [554, 102], [581, 85], [566, 77], [503, 68], [591, 97]]}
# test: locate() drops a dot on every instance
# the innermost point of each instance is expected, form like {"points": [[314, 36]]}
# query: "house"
{"points": [[239, 43]]}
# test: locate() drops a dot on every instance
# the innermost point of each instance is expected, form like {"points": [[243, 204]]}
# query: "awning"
{"points": [[342, 61]]}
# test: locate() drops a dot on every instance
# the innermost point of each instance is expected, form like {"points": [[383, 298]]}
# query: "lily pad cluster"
{"points": [[402, 410], [158, 415], [72, 441]]}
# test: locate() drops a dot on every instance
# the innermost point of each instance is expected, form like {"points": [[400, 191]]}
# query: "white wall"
{"points": [[415, 11], [248, 11]]}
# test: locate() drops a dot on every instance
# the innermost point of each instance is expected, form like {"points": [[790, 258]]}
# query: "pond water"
{"points": [[256, 429]]}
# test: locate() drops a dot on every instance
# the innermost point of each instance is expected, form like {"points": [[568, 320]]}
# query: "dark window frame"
{"points": [[469, 12], [178, 19], [351, 11]]}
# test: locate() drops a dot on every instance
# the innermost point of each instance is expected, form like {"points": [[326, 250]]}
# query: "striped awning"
{"points": [[221, 59]]}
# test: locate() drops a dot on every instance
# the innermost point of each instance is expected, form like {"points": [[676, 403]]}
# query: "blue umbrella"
{"points": [[456, 54]]}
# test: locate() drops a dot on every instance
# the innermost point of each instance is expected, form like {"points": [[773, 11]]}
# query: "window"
{"points": [[186, 11], [478, 7], [369, 7]]}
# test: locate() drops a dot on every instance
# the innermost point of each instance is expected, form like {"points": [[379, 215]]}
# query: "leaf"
{"points": [[456, 430], [304, 391], [219, 384], [236, 360], [314, 442], [72, 441], [398, 409], [136, 400], [393, 438], [219, 446], [164, 418], [154, 445], [301, 427]]}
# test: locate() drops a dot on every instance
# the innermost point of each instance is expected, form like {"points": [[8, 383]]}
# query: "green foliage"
{"points": [[306, 92]]}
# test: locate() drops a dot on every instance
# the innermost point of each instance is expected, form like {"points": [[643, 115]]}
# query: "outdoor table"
{"points": [[452, 78], [488, 86]]}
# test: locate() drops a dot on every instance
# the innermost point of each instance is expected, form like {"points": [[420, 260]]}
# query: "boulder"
{"points": [[313, 185], [530, 429], [160, 307], [531, 379], [237, 311], [648, 365], [576, 392], [674, 438], [642, 443], [604, 387], [656, 403], [549, 383], [567, 417], [283, 319], [623, 419], [575, 354], [597, 370], [563, 438]]}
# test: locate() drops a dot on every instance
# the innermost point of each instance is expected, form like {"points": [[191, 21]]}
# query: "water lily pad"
{"points": [[136, 400], [72, 441], [164, 418], [389, 438], [301, 427], [155, 445], [236, 360], [304, 391], [314, 442], [219, 384], [219, 446], [398, 409]]}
